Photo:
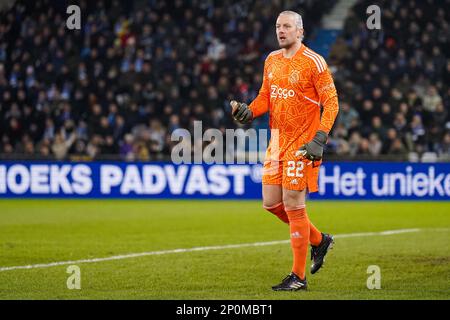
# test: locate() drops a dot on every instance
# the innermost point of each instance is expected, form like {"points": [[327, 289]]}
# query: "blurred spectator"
{"points": [[364, 147], [346, 115], [417, 128], [431, 99], [397, 147], [354, 143], [375, 145], [126, 148], [60, 146]]}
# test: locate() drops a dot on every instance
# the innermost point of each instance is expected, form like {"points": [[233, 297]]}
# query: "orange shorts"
{"points": [[293, 174]]}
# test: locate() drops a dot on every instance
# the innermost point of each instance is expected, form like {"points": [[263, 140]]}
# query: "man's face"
{"points": [[287, 31]]}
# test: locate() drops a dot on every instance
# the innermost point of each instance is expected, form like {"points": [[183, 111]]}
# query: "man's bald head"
{"points": [[297, 17], [289, 28]]}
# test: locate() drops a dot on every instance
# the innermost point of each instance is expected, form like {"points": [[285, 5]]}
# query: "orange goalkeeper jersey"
{"points": [[292, 91]]}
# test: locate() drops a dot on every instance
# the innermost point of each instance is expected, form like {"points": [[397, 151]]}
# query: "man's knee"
{"points": [[271, 203], [272, 196], [293, 200]]}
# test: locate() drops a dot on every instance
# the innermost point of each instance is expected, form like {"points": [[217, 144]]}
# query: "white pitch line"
{"points": [[229, 246]]}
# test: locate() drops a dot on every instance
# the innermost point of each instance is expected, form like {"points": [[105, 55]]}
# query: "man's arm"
{"points": [[328, 98], [324, 84], [260, 105]]}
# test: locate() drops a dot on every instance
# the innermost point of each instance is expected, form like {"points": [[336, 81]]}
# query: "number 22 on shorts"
{"points": [[295, 168]]}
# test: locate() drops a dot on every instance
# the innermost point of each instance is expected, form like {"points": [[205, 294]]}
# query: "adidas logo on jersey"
{"points": [[296, 234]]}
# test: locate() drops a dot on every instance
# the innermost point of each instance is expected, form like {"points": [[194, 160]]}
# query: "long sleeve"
{"points": [[324, 84], [260, 105]]}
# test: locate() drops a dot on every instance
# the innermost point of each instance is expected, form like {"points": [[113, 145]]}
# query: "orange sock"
{"points": [[299, 229], [278, 210], [315, 236]]}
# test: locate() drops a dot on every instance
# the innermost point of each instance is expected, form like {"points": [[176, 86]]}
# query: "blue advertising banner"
{"points": [[338, 180]]}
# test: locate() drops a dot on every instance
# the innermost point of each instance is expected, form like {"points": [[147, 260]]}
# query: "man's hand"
{"points": [[313, 150], [241, 112]]}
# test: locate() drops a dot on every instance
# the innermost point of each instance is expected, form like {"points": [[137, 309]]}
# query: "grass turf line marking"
{"points": [[229, 246]]}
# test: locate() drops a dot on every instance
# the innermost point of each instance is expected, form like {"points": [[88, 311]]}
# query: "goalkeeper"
{"points": [[296, 85]]}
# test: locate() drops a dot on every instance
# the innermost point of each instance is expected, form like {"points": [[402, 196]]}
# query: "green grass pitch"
{"points": [[414, 265]]}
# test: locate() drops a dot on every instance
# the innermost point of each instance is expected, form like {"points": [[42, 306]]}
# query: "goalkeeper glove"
{"points": [[313, 150], [241, 112]]}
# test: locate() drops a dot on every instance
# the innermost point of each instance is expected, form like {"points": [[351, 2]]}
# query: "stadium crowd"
{"points": [[137, 71], [394, 82]]}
